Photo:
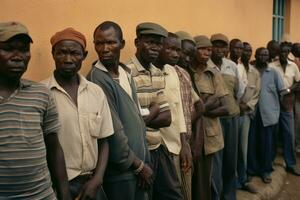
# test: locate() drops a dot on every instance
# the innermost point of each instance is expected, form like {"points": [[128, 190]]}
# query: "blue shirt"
{"points": [[269, 101]]}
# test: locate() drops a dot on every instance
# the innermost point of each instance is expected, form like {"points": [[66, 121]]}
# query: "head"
{"points": [[273, 47], [188, 49], [261, 56], [296, 50], [68, 52], [236, 49], [219, 46], [108, 43], [203, 53], [247, 52], [14, 50], [284, 52], [149, 42], [170, 52]]}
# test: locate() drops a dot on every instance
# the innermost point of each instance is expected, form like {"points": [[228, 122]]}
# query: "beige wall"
{"points": [[294, 21], [249, 20]]}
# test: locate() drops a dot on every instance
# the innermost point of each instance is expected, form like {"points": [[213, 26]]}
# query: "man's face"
{"points": [[14, 58], [149, 47], [108, 46], [219, 49], [262, 56], [187, 54], [274, 49], [170, 53], [68, 56], [203, 54], [284, 52], [236, 49], [247, 52]]}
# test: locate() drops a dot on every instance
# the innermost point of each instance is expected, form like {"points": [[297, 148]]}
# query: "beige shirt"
{"points": [[81, 125], [252, 90], [171, 134], [291, 74]]}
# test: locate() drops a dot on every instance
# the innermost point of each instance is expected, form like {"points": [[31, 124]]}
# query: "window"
{"points": [[278, 19]]}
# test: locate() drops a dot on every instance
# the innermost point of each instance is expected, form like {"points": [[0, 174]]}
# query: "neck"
{"points": [[234, 59], [8, 84], [261, 66], [145, 64], [65, 82], [113, 68], [245, 63], [217, 61]]}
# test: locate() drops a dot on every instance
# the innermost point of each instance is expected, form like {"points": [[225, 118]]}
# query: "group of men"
{"points": [[180, 120]]}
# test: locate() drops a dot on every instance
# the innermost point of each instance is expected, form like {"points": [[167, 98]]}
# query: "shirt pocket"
{"points": [[95, 122]]}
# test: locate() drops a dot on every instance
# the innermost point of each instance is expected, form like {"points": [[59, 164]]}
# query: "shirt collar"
{"points": [[100, 66], [139, 66], [83, 83]]}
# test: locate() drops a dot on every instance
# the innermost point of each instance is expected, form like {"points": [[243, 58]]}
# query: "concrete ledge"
{"points": [[265, 191]]}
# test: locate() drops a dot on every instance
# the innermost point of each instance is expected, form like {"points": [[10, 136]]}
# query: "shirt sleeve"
{"points": [[297, 73], [161, 100], [241, 85], [219, 84], [50, 120], [253, 101]]}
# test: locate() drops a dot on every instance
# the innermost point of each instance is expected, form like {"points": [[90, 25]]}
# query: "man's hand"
{"points": [[89, 190], [243, 107], [211, 102], [185, 157], [154, 112], [145, 177]]}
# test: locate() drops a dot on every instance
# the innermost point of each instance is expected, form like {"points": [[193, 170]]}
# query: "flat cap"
{"points": [[202, 41], [220, 37], [148, 28], [68, 34], [185, 36], [11, 29]]}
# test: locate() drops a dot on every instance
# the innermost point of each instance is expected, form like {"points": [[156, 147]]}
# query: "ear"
{"points": [[136, 42], [85, 54], [122, 44]]}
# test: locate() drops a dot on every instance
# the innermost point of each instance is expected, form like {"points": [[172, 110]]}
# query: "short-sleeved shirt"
{"points": [[26, 117], [171, 134], [291, 74], [150, 87], [269, 100], [81, 125], [234, 83], [252, 90], [210, 82]]}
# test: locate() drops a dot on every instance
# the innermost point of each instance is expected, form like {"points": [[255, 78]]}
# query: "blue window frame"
{"points": [[278, 19]]}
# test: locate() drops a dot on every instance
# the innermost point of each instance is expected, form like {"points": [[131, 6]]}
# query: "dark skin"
{"points": [[236, 50], [147, 51], [261, 59], [108, 46], [14, 59], [213, 106], [246, 55], [68, 56], [218, 52], [187, 54], [274, 49], [170, 54]]}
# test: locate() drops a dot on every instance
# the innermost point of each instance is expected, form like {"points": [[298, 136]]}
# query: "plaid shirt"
{"points": [[188, 97]]}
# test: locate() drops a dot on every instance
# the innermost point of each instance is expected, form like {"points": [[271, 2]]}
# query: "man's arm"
{"points": [[220, 111], [162, 120], [89, 190], [57, 166]]}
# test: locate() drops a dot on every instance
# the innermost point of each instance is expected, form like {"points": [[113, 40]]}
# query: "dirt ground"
{"points": [[291, 188]]}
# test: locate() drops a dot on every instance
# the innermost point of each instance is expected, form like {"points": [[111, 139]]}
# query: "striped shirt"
{"points": [[26, 117], [150, 87]]}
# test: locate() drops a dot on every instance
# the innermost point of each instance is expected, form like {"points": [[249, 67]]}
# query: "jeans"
{"points": [[286, 125], [244, 126]]}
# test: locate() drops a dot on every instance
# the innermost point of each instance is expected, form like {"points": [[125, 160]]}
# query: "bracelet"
{"points": [[139, 169]]}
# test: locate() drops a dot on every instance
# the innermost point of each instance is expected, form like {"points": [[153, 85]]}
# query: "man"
{"points": [[262, 130], [29, 126], [236, 49], [273, 47], [251, 78], [229, 123], [176, 133], [210, 87], [150, 83], [84, 115], [291, 77], [127, 175], [296, 53]]}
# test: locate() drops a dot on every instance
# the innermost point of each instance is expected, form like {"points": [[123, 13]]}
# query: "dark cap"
{"points": [[11, 29], [219, 37], [148, 28], [185, 36], [202, 41]]}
